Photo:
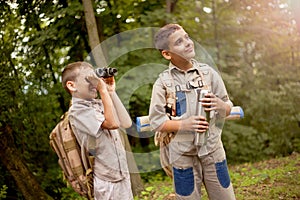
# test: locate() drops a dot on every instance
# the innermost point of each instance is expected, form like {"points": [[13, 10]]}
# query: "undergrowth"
{"points": [[270, 179]]}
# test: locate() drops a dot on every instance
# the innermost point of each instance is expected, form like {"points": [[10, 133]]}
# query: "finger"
{"points": [[201, 129], [210, 95], [208, 109], [201, 124], [202, 119], [196, 119]]}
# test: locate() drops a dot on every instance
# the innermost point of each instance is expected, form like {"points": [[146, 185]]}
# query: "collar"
{"points": [[192, 69], [76, 100]]}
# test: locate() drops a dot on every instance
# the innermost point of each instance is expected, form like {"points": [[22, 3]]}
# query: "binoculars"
{"points": [[105, 72]]}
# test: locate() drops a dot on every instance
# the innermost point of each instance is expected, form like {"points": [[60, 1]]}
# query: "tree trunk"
{"points": [[10, 157], [135, 178], [136, 181], [216, 33], [94, 41], [170, 5]]}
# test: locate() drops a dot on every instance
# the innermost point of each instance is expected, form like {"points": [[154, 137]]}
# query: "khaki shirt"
{"points": [[86, 118], [157, 111]]}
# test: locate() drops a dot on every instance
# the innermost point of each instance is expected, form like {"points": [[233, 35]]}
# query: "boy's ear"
{"points": [[166, 54], [71, 86]]}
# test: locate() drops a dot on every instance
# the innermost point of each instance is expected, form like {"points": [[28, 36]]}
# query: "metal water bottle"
{"points": [[200, 138]]}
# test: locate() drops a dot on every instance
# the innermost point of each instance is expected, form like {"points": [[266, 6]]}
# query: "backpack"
{"points": [[74, 160]]}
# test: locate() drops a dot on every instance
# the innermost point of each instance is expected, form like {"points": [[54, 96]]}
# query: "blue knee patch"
{"points": [[183, 181], [222, 173]]}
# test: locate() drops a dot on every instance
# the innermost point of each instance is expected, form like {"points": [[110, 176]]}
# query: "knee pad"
{"points": [[222, 173], [184, 181]]}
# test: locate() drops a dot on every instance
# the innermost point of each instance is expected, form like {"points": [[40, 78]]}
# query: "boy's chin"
{"points": [[189, 58], [191, 55]]}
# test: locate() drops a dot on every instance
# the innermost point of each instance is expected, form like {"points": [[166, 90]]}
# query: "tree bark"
{"points": [[135, 178], [216, 32], [10, 157], [170, 5], [94, 41]]}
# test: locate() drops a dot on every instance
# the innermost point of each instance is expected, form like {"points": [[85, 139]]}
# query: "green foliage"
{"points": [[158, 187], [243, 143], [267, 179], [3, 192]]}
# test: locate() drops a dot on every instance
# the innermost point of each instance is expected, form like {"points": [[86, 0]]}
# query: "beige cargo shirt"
{"points": [[86, 118], [157, 111]]}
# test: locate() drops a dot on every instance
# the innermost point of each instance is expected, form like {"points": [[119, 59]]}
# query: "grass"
{"points": [[271, 179]]}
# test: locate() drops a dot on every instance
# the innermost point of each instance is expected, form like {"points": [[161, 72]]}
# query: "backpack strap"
{"points": [[205, 85], [168, 83]]}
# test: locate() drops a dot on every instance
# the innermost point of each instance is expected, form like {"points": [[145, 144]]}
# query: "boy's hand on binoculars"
{"points": [[94, 80], [195, 123], [111, 84], [97, 83]]}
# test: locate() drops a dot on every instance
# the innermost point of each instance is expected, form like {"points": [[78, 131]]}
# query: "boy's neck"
{"points": [[184, 65]]}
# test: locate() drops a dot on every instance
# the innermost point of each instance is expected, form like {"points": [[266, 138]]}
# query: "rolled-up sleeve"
{"points": [[85, 119], [157, 110], [219, 89]]}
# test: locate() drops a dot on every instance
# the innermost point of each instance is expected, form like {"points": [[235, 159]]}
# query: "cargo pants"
{"points": [[190, 171], [105, 190]]}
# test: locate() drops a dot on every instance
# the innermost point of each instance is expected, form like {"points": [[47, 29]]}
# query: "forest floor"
{"points": [[270, 179]]}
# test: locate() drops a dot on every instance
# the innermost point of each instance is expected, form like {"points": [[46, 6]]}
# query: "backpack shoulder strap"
{"points": [[200, 67], [167, 79], [168, 83]]}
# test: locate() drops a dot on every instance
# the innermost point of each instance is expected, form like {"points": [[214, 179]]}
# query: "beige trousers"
{"points": [[104, 190], [190, 171]]}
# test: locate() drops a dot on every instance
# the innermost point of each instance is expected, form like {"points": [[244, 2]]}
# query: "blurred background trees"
{"points": [[253, 44]]}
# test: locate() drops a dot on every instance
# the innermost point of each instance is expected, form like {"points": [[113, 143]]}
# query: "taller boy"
{"points": [[192, 164]]}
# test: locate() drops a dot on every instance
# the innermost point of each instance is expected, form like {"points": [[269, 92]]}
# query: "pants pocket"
{"points": [[183, 181], [222, 173]]}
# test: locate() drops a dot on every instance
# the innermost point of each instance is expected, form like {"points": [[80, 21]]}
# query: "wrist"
{"points": [[112, 93], [103, 92], [224, 109]]}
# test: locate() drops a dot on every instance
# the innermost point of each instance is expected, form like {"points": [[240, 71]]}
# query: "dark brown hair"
{"points": [[161, 37], [71, 72]]}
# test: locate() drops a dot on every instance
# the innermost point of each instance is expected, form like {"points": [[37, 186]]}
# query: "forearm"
{"points": [[193, 123], [170, 126], [111, 119], [122, 114], [224, 108], [228, 109]]}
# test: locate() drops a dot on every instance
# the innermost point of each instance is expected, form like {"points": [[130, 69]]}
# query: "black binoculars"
{"points": [[105, 72]]}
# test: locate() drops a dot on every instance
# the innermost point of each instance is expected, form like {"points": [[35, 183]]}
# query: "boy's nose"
{"points": [[188, 42]]}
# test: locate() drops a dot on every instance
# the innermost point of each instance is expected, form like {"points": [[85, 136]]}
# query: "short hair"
{"points": [[161, 37], [71, 71]]}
